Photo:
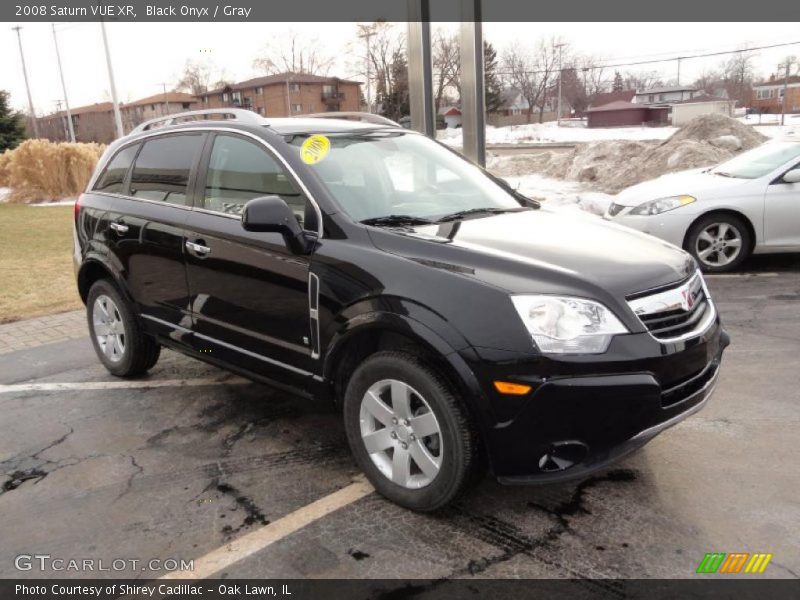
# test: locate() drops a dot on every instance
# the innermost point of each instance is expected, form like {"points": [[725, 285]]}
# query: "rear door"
{"points": [[148, 227], [782, 213], [249, 292]]}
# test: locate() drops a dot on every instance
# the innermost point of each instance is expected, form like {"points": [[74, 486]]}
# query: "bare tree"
{"points": [[593, 74], [198, 76], [293, 53], [446, 61], [642, 80], [709, 81], [531, 72], [738, 73]]}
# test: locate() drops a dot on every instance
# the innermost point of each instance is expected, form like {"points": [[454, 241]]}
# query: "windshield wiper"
{"points": [[477, 211], [397, 220]]}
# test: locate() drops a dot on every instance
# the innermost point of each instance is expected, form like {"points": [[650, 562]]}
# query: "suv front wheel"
{"points": [[121, 345], [409, 433]]}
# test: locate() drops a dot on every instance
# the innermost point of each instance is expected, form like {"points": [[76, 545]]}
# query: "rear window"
{"points": [[112, 178], [162, 169]]}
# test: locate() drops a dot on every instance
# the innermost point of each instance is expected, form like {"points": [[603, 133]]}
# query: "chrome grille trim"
{"points": [[673, 310]]}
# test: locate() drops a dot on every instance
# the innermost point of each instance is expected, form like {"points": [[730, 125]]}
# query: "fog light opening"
{"points": [[563, 455]]}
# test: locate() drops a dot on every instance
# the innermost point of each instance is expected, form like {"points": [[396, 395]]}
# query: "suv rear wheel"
{"points": [[408, 432], [121, 345]]}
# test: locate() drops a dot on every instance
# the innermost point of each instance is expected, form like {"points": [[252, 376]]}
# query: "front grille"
{"points": [[676, 313], [688, 388], [614, 209]]}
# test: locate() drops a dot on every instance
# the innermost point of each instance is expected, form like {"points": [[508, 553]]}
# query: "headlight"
{"points": [[564, 325], [656, 207]]}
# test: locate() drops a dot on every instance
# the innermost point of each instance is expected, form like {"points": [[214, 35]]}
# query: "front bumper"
{"points": [[670, 226], [585, 413]]}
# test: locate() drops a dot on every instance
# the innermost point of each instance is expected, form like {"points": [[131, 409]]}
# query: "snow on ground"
{"points": [[550, 132], [561, 194], [4, 192], [64, 202]]}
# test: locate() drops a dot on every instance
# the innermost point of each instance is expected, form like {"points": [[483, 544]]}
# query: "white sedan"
{"points": [[749, 204]]}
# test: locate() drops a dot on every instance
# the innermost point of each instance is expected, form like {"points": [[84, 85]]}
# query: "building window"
{"points": [[152, 107], [294, 87], [225, 96], [259, 91], [297, 108], [205, 99], [185, 106], [260, 110], [651, 98], [661, 97]]}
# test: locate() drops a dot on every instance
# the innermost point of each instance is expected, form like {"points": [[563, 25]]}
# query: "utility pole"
{"points": [[27, 86], [117, 114], [679, 70], [560, 75], [788, 66], [63, 87], [166, 99], [63, 124], [367, 31]]}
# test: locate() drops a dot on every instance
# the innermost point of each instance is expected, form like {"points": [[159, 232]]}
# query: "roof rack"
{"points": [[353, 116], [229, 114]]}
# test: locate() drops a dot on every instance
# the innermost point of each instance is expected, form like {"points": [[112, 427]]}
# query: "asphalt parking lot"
{"points": [[184, 463]]}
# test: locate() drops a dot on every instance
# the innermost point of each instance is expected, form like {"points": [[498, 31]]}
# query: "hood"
{"points": [[694, 183], [545, 251]]}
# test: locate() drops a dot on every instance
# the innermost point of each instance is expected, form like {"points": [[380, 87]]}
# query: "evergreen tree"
{"points": [[12, 124], [493, 89], [618, 86]]}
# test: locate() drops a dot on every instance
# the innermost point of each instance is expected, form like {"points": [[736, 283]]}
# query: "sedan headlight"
{"points": [[565, 325], [661, 205]]}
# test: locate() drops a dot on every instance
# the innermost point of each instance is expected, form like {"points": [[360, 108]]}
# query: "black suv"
{"points": [[457, 324]]}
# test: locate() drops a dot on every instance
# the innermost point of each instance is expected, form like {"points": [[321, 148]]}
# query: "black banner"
{"points": [[395, 589], [391, 10]]}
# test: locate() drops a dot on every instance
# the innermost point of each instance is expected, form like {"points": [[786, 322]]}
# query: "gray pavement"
{"points": [[183, 470]]}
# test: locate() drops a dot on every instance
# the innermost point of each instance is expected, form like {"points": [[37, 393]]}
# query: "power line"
{"points": [[662, 60]]}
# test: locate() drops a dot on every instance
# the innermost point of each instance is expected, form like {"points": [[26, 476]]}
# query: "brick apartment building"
{"points": [[287, 94], [95, 122], [768, 96]]}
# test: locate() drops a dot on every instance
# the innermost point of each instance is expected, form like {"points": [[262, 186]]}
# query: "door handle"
{"points": [[119, 227], [197, 248]]}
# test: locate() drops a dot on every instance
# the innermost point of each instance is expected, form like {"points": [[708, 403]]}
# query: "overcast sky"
{"points": [[146, 54]]}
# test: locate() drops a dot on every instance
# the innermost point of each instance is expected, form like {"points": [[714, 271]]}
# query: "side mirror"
{"points": [[272, 214], [792, 176]]}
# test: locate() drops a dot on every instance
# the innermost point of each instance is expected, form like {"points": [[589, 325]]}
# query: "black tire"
{"points": [[140, 352], [737, 227], [460, 456]]}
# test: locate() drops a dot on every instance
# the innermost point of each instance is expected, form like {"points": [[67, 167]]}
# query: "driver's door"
{"points": [[782, 213], [248, 291]]}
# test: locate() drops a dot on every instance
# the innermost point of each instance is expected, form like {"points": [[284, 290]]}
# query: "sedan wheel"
{"points": [[401, 434], [109, 330], [718, 244]]}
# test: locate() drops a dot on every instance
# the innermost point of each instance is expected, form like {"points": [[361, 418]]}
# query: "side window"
{"points": [[113, 176], [161, 172], [240, 170]]}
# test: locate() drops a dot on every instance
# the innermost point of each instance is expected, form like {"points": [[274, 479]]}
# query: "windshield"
{"points": [[399, 175], [759, 161]]}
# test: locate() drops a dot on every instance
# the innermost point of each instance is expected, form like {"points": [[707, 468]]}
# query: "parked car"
{"points": [[457, 324], [747, 205]]}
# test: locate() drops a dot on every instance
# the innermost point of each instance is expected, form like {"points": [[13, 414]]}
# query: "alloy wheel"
{"points": [[109, 331], [719, 244], [401, 434]]}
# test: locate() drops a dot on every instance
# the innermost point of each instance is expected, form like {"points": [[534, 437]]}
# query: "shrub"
{"points": [[38, 170]]}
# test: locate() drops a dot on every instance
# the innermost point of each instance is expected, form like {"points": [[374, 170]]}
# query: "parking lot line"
{"points": [[112, 385], [249, 544]]}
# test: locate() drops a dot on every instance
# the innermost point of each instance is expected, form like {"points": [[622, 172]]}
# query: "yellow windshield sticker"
{"points": [[314, 149]]}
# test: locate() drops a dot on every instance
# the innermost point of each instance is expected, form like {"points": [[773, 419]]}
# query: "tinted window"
{"points": [[113, 175], [162, 168], [240, 170]]}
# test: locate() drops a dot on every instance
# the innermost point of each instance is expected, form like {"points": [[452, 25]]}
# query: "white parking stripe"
{"points": [[253, 542], [113, 385]]}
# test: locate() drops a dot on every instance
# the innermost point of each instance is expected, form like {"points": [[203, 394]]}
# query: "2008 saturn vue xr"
{"points": [[457, 324]]}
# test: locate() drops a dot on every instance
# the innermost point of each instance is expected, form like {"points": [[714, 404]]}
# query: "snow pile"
{"points": [[561, 194], [613, 165], [4, 194]]}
